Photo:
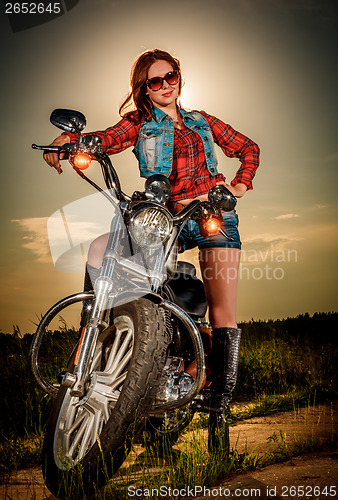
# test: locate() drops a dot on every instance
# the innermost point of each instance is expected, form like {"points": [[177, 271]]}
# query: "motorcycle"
{"points": [[138, 371]]}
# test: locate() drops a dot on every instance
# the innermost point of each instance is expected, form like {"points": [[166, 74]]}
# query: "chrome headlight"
{"points": [[150, 227]]}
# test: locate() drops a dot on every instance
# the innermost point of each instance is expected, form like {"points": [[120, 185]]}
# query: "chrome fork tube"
{"points": [[103, 298]]}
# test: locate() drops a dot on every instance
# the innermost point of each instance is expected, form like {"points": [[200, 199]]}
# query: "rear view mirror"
{"points": [[68, 120]]}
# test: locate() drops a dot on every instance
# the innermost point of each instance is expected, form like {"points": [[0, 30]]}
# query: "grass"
{"points": [[283, 365], [148, 472], [297, 355], [25, 406], [197, 467], [18, 452]]}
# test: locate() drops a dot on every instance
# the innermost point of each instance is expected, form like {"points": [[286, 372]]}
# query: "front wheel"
{"points": [[88, 438]]}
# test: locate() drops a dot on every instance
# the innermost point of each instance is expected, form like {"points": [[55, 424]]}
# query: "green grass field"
{"points": [[283, 364]]}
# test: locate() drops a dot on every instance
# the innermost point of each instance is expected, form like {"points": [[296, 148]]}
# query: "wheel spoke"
{"points": [[78, 437], [82, 420], [109, 378], [113, 383], [116, 358], [114, 350], [87, 440]]}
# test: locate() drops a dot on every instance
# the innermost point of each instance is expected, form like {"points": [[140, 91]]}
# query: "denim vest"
{"points": [[155, 144]]}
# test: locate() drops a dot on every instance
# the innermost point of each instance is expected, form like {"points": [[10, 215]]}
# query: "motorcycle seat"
{"points": [[188, 290]]}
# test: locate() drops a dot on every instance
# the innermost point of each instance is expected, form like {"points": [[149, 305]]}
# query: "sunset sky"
{"points": [[267, 67]]}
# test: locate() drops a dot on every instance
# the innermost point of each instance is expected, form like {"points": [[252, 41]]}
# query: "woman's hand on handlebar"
{"points": [[238, 190], [53, 159]]}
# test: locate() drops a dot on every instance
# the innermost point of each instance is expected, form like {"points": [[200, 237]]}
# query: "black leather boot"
{"points": [[224, 360]]}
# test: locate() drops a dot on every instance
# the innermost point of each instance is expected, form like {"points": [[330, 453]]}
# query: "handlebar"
{"points": [[219, 197], [55, 149], [92, 147]]}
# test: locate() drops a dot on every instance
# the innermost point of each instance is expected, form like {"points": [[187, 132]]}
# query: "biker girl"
{"points": [[179, 144]]}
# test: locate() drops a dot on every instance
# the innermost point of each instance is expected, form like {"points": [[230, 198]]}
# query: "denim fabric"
{"points": [[191, 237], [154, 147]]}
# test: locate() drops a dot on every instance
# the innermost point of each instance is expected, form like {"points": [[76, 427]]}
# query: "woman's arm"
{"points": [[236, 145], [114, 140]]}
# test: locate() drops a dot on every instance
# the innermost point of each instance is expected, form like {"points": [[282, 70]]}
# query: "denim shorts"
{"points": [[191, 237]]}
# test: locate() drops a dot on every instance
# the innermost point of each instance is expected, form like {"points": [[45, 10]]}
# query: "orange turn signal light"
{"points": [[213, 225], [82, 161], [210, 225]]}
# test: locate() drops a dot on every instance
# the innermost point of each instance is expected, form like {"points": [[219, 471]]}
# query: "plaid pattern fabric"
{"points": [[236, 145], [119, 137], [190, 176]]}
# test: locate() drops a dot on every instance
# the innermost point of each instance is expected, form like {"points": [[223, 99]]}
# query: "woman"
{"points": [[180, 145]]}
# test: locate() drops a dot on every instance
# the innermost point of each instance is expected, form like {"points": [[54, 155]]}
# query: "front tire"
{"points": [[87, 439]]}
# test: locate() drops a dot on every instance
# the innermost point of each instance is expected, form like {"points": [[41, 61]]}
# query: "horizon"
{"points": [[17, 331]]}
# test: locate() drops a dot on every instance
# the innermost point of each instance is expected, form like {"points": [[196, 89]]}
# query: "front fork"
{"points": [[103, 299]]}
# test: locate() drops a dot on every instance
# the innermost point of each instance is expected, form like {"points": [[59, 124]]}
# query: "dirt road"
{"points": [[311, 476]]}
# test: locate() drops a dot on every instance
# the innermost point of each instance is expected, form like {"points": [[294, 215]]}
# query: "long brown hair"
{"points": [[139, 74]]}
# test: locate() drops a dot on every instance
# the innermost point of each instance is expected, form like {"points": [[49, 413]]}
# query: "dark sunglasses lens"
{"points": [[155, 83], [171, 77]]}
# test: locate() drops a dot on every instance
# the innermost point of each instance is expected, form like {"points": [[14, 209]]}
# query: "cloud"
{"points": [[50, 237], [269, 247], [271, 238], [286, 216], [36, 240], [72, 230]]}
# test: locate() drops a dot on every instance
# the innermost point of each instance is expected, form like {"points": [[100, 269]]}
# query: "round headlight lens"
{"points": [[150, 227]]}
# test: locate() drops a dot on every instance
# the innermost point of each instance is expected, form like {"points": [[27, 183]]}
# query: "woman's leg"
{"points": [[96, 250], [94, 260], [219, 268]]}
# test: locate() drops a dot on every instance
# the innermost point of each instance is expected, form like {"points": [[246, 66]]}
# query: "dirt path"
{"points": [[261, 435], [311, 476]]}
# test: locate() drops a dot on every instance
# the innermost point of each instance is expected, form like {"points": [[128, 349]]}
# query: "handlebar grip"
{"points": [[56, 149]]}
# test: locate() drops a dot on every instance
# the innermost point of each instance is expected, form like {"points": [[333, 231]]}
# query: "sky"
{"points": [[267, 67]]}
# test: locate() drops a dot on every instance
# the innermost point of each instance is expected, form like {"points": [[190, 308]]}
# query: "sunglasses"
{"points": [[156, 83]]}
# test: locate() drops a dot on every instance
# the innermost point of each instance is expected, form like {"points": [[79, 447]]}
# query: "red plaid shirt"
{"points": [[190, 176]]}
